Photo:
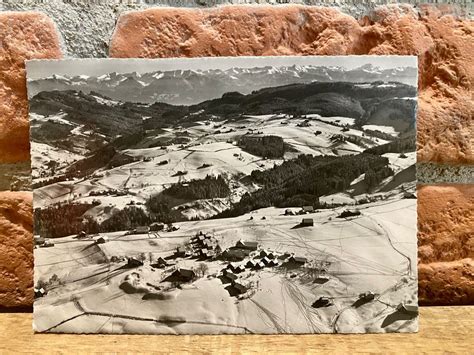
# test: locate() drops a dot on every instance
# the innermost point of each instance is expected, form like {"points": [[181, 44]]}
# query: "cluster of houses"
{"points": [[243, 256], [202, 246], [205, 246], [249, 257]]}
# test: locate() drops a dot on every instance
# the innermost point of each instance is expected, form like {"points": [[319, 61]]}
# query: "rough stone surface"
{"points": [[442, 43], [16, 245], [23, 36], [432, 173], [446, 244], [86, 25]]}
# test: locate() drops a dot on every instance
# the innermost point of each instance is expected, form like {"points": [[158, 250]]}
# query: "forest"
{"points": [[209, 187], [64, 219], [271, 147], [303, 180]]}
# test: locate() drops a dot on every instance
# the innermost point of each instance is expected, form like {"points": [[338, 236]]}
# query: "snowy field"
{"points": [[371, 252]]}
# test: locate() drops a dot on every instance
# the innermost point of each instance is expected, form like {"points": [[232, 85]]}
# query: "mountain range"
{"points": [[188, 87]]}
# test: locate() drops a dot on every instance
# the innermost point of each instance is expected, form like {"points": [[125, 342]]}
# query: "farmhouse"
{"points": [[181, 275], [134, 262], [367, 296], [229, 275], [156, 227], [307, 209], [39, 240], [235, 254], [239, 287], [180, 252], [297, 260], [142, 230], [247, 245], [307, 222]]}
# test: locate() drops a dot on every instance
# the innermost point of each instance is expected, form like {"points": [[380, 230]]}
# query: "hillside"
{"points": [[126, 154]]}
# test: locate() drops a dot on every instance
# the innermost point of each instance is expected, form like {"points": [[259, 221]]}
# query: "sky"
{"points": [[37, 69]]}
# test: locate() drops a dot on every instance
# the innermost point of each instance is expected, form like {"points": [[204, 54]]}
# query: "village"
{"points": [[239, 267], [242, 258]]}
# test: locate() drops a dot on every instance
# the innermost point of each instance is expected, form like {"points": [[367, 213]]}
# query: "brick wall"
{"points": [[442, 41]]}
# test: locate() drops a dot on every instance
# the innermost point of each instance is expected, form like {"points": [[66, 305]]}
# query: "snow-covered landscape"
{"points": [[282, 204]]}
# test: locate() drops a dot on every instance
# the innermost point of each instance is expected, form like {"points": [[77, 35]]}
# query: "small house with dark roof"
{"points": [[102, 240], [307, 222], [265, 261], [159, 263], [284, 256], [407, 308], [251, 264], [39, 292], [180, 251], [238, 269], [274, 262]]}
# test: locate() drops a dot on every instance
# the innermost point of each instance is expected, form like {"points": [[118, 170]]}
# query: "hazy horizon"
{"points": [[39, 69]]}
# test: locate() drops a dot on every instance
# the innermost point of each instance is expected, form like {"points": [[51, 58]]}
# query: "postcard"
{"points": [[246, 195]]}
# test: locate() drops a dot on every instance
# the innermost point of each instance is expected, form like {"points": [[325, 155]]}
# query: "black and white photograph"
{"points": [[245, 195]]}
